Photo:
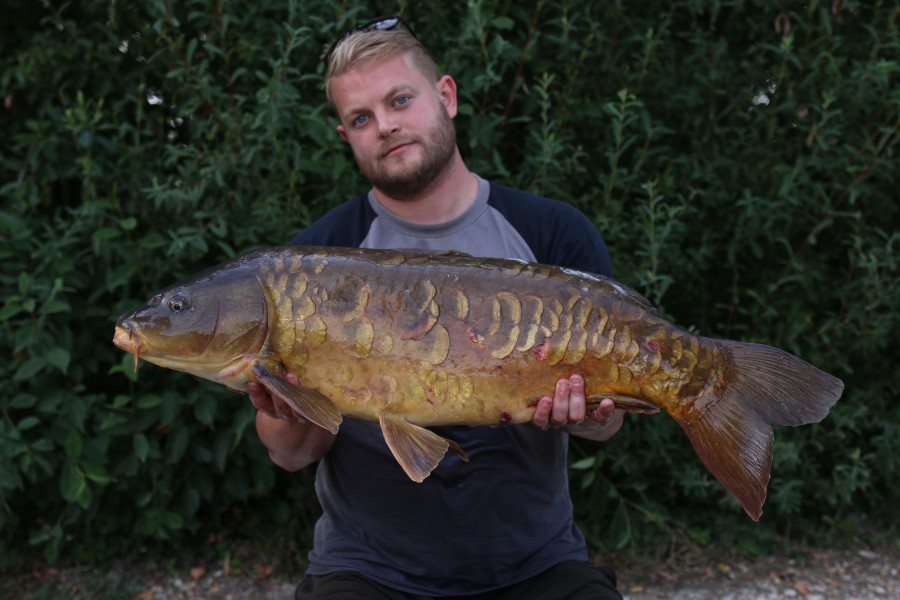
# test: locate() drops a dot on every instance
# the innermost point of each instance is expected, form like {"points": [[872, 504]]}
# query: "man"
{"points": [[499, 526]]}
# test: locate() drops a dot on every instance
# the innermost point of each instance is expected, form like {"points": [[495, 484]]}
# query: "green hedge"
{"points": [[740, 160]]}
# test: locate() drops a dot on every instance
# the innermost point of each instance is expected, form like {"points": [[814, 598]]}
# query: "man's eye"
{"points": [[402, 100], [360, 120]]}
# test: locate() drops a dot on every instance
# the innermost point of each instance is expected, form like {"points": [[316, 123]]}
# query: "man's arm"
{"points": [[292, 441], [568, 410]]}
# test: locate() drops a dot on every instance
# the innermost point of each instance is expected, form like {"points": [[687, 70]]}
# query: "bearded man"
{"points": [[501, 525]]}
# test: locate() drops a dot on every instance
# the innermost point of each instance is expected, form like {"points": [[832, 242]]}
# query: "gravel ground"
{"points": [[860, 573], [857, 574]]}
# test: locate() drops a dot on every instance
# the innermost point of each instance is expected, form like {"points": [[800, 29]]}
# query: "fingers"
{"points": [[542, 412], [260, 398], [568, 409], [603, 412], [565, 408], [568, 402], [577, 403], [607, 420]]}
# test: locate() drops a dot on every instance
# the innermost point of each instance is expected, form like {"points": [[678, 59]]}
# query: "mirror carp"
{"points": [[413, 339]]}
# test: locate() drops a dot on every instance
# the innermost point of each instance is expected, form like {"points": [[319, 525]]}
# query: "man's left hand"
{"points": [[567, 409]]}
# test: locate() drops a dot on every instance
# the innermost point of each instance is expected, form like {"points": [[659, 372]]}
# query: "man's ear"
{"points": [[342, 132], [446, 88]]}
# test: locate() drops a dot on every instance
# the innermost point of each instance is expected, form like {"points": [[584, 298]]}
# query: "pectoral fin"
{"points": [[626, 403], [313, 405], [418, 450]]}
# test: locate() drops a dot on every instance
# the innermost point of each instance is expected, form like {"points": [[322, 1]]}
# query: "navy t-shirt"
{"points": [[504, 516]]}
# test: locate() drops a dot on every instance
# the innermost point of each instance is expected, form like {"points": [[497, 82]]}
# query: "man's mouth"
{"points": [[398, 149]]}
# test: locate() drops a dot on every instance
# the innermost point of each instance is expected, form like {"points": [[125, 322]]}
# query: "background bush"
{"points": [[740, 159]]}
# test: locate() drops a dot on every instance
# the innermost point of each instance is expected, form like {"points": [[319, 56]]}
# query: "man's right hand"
{"points": [[272, 406], [292, 441]]}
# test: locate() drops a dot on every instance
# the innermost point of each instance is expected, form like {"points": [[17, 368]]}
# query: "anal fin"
{"points": [[418, 450], [457, 449]]}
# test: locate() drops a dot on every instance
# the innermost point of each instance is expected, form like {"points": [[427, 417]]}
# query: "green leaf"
{"points": [[9, 478], [29, 423], [74, 444], [125, 367], [85, 496], [11, 309], [205, 410], [30, 368], [588, 479], [43, 445], [173, 520], [59, 358], [584, 463], [23, 401], [177, 445], [54, 307], [72, 484], [620, 528], [141, 447], [112, 422], [96, 473], [40, 536], [504, 23], [701, 534], [221, 449], [149, 401], [75, 411], [24, 283], [104, 234]]}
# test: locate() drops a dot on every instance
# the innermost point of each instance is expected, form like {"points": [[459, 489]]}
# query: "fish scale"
{"points": [[413, 340]]}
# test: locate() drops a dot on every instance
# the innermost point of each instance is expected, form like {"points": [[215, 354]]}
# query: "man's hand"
{"points": [[271, 406], [568, 410]]}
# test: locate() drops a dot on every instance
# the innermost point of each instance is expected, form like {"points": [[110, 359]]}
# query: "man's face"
{"points": [[398, 123]]}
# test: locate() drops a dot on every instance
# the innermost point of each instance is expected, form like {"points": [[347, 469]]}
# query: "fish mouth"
{"points": [[125, 339]]}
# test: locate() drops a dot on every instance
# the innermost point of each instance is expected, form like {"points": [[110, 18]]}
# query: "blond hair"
{"points": [[365, 47]]}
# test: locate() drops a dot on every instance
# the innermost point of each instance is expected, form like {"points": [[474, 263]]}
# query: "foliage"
{"points": [[738, 159]]}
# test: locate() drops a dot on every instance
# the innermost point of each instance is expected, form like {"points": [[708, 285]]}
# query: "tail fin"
{"points": [[733, 434]]}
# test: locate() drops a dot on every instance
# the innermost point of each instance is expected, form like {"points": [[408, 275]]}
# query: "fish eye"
{"points": [[178, 303]]}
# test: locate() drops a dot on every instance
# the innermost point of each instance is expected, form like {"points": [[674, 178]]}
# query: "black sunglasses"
{"points": [[376, 24]]}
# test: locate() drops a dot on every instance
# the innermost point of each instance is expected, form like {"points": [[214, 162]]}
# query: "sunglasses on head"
{"points": [[376, 24]]}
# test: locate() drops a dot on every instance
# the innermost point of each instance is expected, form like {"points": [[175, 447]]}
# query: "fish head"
{"points": [[207, 325]]}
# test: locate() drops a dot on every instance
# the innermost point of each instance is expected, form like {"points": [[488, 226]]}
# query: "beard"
{"points": [[409, 179]]}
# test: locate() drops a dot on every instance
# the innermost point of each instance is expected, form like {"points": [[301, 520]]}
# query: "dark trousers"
{"points": [[573, 580]]}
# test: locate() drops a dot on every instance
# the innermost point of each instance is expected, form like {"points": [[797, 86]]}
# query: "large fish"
{"points": [[413, 340]]}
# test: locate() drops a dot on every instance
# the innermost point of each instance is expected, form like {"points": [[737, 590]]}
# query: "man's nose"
{"points": [[387, 124]]}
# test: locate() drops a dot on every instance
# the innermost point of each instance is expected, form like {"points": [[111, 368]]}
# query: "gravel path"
{"points": [[856, 574]]}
